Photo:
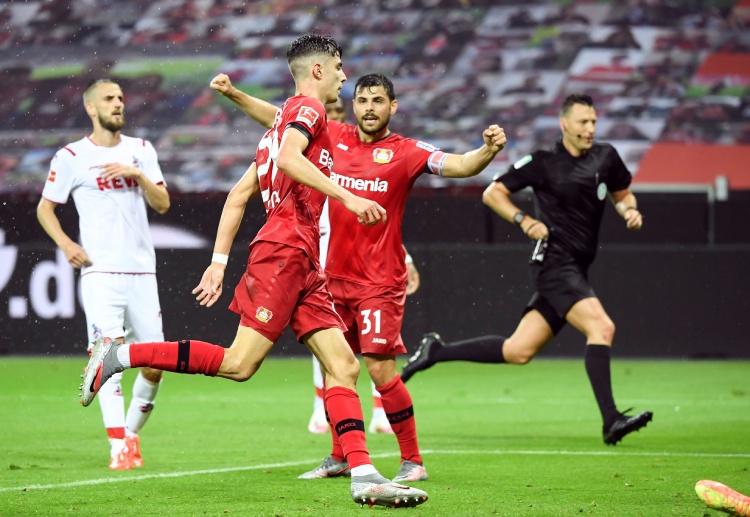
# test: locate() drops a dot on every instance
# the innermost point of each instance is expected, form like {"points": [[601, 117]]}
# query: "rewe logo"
{"points": [[376, 185]]}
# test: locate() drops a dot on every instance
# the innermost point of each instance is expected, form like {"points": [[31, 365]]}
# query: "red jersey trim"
{"points": [[70, 150]]}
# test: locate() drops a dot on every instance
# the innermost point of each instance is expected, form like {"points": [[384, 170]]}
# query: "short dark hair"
{"points": [[575, 98], [371, 80], [312, 43]]}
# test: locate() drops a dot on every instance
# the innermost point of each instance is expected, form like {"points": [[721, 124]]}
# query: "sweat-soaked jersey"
{"points": [[293, 209], [383, 171]]}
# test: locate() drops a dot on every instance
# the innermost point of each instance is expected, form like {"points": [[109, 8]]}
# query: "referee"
{"points": [[571, 183]]}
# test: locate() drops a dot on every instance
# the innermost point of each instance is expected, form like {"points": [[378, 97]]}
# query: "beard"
{"points": [[111, 125], [373, 130]]}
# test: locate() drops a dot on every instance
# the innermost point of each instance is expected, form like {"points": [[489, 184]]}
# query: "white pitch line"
{"points": [[101, 481]]}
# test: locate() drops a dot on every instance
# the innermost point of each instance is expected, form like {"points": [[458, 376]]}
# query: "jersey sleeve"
{"points": [[308, 116], [619, 175], [524, 173], [61, 178], [429, 159], [151, 164]]}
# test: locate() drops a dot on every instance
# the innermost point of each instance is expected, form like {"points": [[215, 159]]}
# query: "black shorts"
{"points": [[560, 283]]}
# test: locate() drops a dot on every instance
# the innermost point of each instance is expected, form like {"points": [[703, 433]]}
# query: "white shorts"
{"points": [[122, 305]]}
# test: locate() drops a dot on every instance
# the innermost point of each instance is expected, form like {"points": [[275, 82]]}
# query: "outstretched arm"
{"points": [[472, 163], [627, 206], [210, 288], [259, 110], [497, 197]]}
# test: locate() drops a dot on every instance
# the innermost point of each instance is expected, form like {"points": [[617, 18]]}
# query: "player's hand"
{"points": [[210, 288], [633, 219], [110, 171], [368, 211], [535, 229], [221, 83], [412, 281], [76, 255], [494, 138]]}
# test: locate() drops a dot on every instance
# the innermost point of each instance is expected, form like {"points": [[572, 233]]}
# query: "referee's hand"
{"points": [[633, 219], [535, 229]]}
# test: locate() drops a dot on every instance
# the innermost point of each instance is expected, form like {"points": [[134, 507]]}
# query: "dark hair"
{"points": [[371, 80], [313, 43], [575, 98]]}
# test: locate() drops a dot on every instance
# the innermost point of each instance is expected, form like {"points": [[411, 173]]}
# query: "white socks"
{"points": [[144, 393]]}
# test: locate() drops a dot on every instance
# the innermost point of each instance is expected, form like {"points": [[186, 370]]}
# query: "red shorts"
{"points": [[281, 287], [373, 316]]}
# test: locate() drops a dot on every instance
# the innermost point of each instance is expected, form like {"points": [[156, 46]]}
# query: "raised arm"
{"points": [[627, 206], [473, 162], [259, 110], [76, 255], [210, 288], [497, 197]]}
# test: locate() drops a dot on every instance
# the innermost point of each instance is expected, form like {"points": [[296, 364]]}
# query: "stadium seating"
{"points": [[660, 73]]}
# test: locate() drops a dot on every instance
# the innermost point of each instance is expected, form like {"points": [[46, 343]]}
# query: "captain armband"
{"points": [[436, 161]]}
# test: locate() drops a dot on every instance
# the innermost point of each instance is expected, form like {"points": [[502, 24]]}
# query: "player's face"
{"points": [[578, 127], [336, 111], [109, 106], [373, 109], [335, 77]]}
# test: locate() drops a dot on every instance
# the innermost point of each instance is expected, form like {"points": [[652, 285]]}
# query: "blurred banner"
{"points": [[676, 301]]}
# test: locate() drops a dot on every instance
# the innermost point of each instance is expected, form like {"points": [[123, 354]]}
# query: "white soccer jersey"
{"points": [[112, 214]]}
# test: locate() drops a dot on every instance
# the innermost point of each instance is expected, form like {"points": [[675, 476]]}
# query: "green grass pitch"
{"points": [[497, 440]]}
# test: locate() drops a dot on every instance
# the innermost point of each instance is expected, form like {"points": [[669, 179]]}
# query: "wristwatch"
{"points": [[519, 217]]}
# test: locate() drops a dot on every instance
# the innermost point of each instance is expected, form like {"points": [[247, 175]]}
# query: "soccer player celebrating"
{"points": [[366, 267], [283, 283], [571, 183], [109, 175], [318, 423]]}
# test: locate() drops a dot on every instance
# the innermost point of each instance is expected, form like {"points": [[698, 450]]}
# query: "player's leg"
{"points": [[143, 322], [103, 303], [590, 318], [399, 408], [379, 421], [316, 323], [318, 423], [532, 333]]}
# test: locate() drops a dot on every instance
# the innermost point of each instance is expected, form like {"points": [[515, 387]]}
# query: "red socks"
{"points": [[398, 408], [178, 356], [347, 426]]}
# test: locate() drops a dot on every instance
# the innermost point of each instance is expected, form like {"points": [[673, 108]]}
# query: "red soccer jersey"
{"points": [[293, 209], [383, 171]]}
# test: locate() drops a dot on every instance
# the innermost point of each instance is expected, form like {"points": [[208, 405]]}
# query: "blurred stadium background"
{"points": [[671, 82]]}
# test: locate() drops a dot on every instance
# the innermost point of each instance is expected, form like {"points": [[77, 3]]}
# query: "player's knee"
{"points": [[516, 353], [151, 374], [606, 331]]}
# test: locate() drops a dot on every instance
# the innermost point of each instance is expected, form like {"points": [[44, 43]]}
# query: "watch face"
{"points": [[518, 217]]}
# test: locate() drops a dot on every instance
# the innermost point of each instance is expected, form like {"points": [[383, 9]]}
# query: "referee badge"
{"points": [[601, 191], [263, 314]]}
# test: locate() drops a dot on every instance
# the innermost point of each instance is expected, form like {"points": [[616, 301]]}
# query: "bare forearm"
{"points": [[51, 225], [259, 110], [300, 169], [156, 196], [229, 224], [468, 164]]}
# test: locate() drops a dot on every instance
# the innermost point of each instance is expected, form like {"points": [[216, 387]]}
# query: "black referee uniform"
{"points": [[571, 193]]}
